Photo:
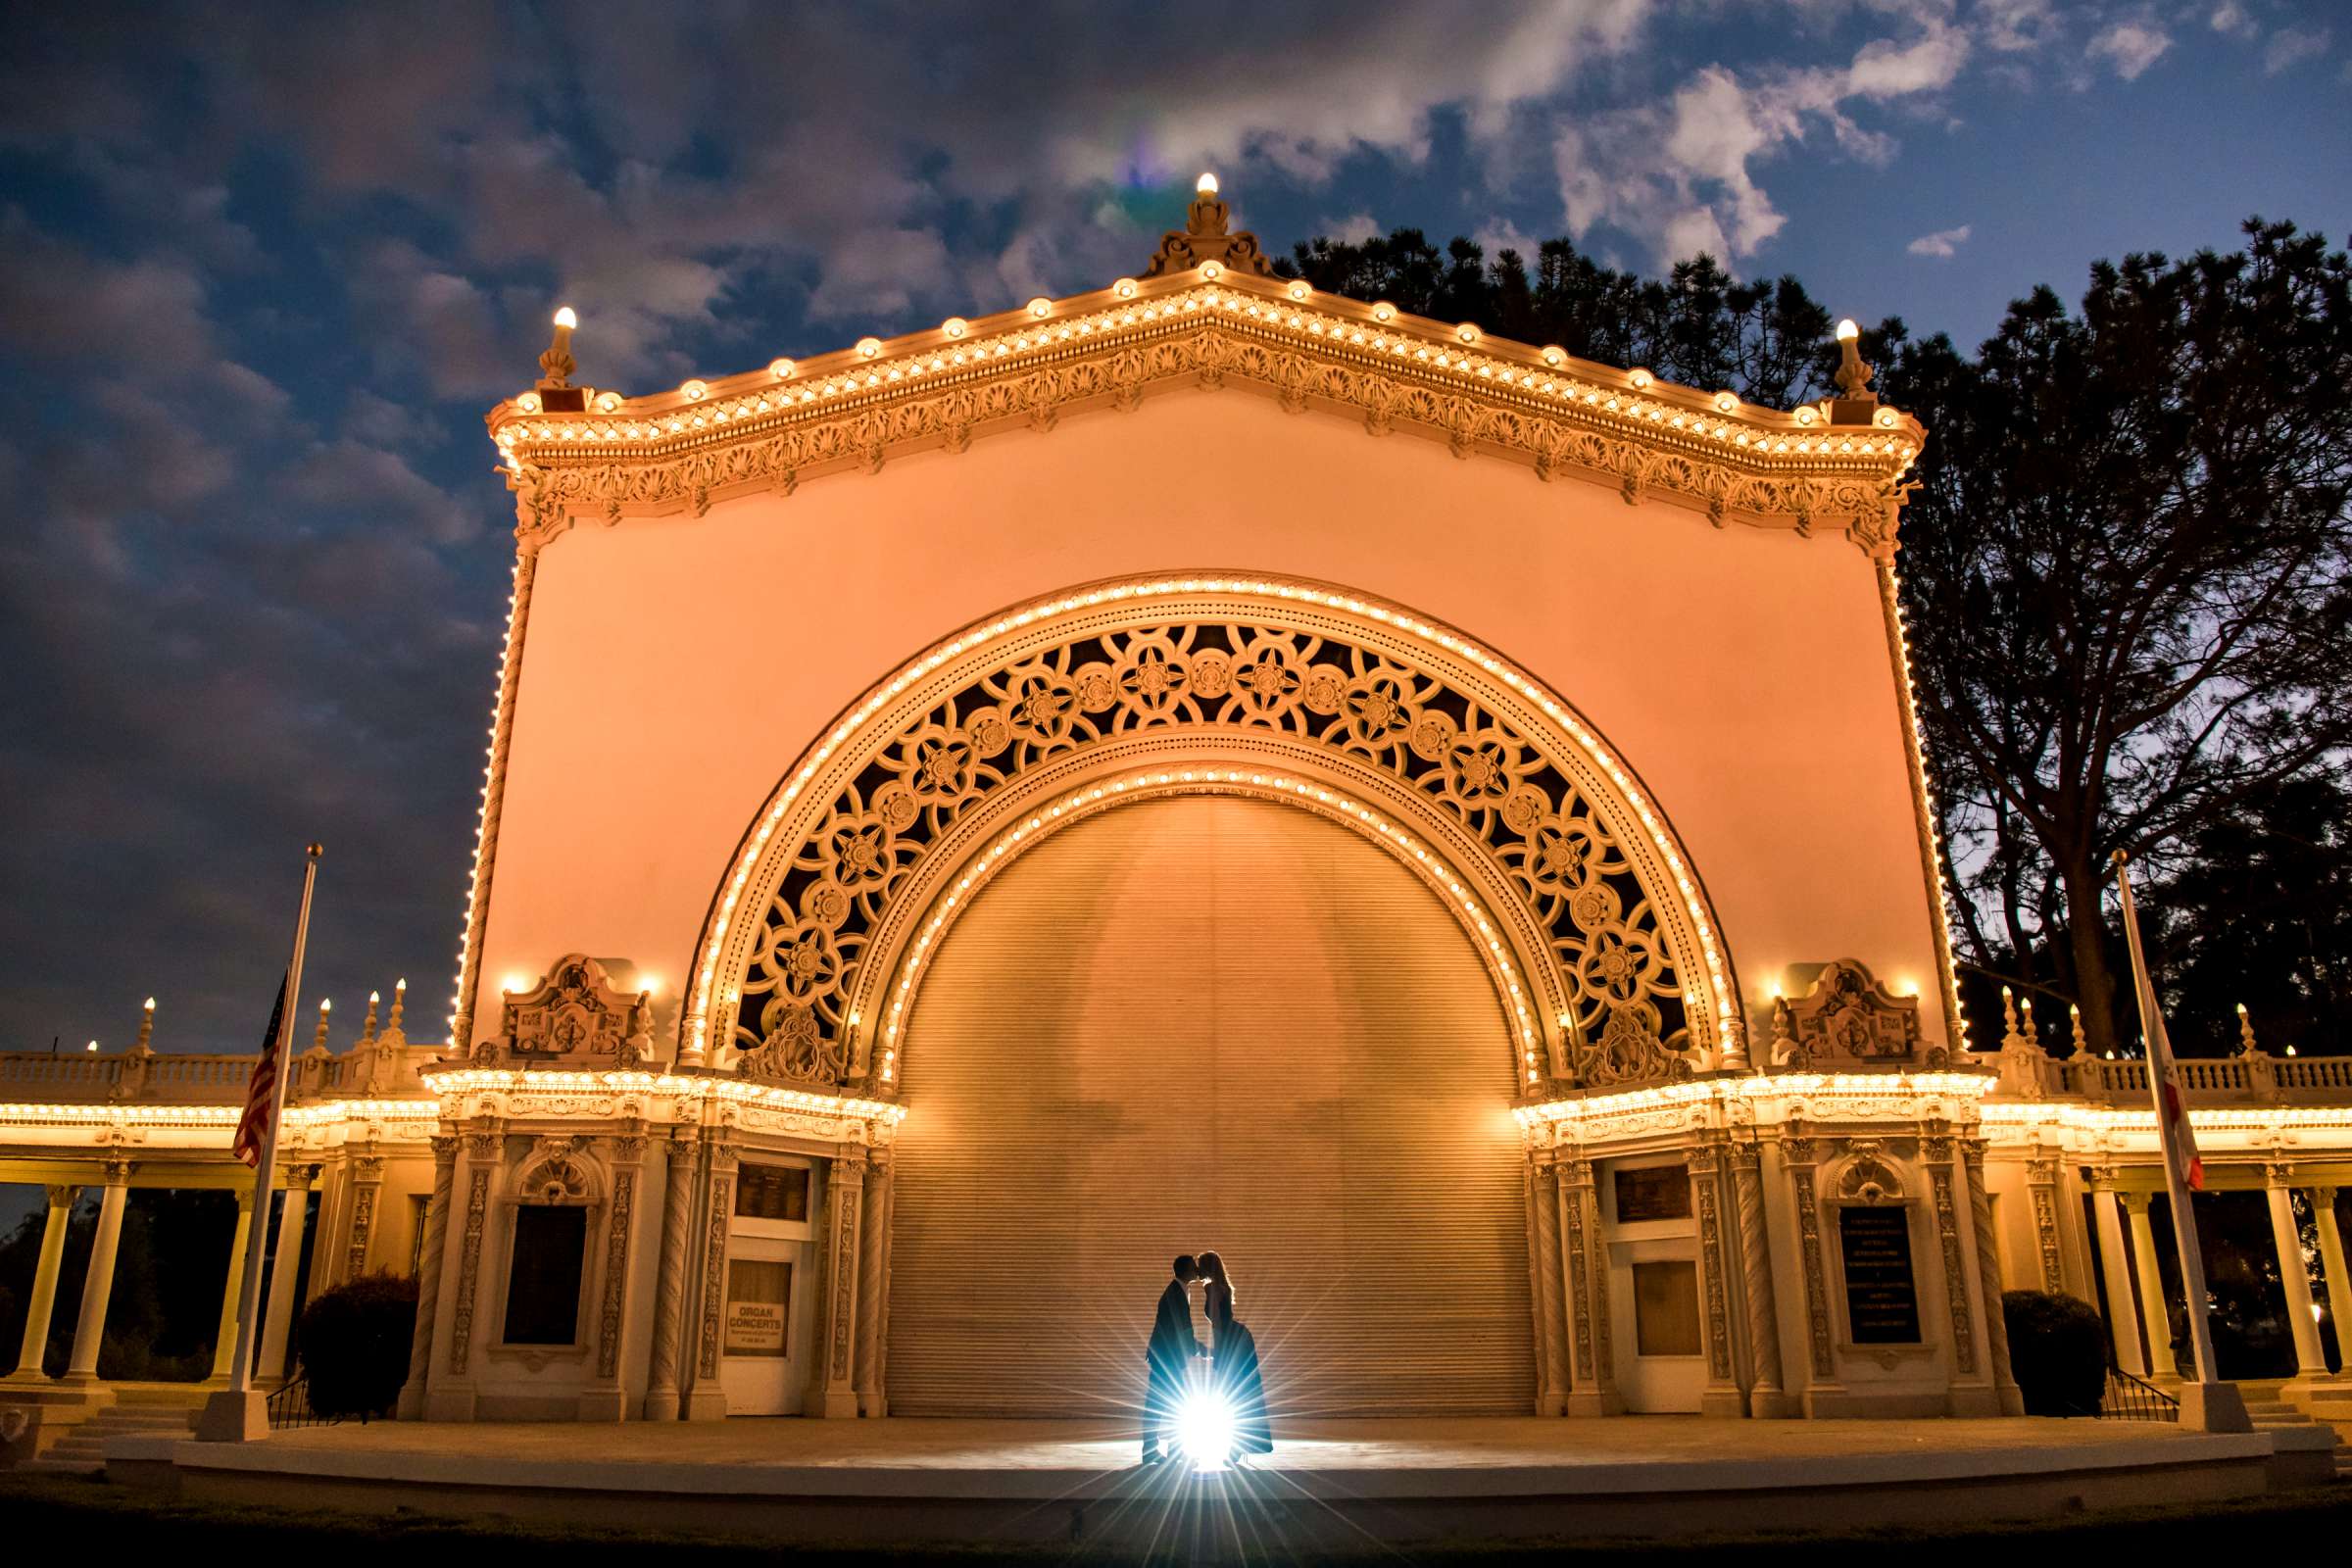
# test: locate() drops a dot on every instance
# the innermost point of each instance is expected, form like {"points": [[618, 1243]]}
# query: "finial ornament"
{"points": [[1855, 402], [2009, 1032], [400, 1000], [318, 1039], [2246, 1044], [147, 1024], [2081, 1040], [556, 365], [368, 1025], [1207, 236]]}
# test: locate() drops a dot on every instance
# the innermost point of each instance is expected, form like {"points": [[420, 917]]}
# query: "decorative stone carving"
{"points": [[617, 1267], [803, 964], [1955, 1270], [1847, 1021], [1799, 1154], [573, 1018], [1865, 1177], [1705, 1163], [1206, 237], [715, 1262], [2043, 1182], [1330, 354], [556, 1171], [1755, 1269], [469, 1262]]}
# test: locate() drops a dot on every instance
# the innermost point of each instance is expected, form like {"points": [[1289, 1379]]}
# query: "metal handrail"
{"points": [[290, 1406], [2132, 1398]]}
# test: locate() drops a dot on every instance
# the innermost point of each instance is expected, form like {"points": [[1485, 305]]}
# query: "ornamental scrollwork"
{"points": [[1549, 841]]}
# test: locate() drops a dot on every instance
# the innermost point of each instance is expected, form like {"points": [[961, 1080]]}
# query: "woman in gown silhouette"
{"points": [[1234, 1352]]}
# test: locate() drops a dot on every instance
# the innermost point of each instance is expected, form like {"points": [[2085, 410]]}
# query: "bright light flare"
{"points": [[1204, 1429]]}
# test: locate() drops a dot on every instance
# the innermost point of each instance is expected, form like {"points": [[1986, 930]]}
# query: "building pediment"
{"points": [[577, 454]]}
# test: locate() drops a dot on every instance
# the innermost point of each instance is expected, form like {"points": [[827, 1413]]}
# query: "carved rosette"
{"points": [[1937, 1152], [368, 1176], [845, 1198], [2043, 1182], [1800, 1153], [1704, 1162], [1585, 887], [715, 1269], [482, 1152], [1570, 1196], [616, 1256]]}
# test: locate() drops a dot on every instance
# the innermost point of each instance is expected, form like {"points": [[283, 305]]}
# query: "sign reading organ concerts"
{"points": [[758, 1307]]}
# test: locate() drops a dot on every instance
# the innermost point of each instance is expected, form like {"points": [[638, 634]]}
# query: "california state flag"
{"points": [[2173, 1131]]}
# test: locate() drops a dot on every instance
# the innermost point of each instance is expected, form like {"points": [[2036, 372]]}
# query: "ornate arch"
{"points": [[1518, 795]]}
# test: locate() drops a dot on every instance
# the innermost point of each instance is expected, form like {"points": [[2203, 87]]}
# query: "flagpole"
{"points": [[239, 1402], [2208, 1404]]}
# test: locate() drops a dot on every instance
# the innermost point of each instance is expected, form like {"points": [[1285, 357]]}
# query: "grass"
{"points": [[135, 1525]]}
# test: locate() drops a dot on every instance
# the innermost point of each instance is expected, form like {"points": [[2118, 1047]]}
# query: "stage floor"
{"points": [[1327, 1481]]}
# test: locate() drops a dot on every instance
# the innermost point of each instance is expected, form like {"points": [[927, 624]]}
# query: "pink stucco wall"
{"points": [[676, 668]]}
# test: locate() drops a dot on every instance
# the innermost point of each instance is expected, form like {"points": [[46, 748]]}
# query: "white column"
{"points": [[2310, 1360], [44, 1285], [845, 1202], [2115, 1269], [2153, 1315], [225, 1339], [286, 1267], [2339, 1287], [98, 1288]]}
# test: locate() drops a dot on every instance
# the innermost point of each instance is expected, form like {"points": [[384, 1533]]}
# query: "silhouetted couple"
{"points": [[1234, 1378]]}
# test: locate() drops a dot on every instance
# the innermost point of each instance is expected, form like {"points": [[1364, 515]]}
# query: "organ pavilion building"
{"points": [[1203, 764]]}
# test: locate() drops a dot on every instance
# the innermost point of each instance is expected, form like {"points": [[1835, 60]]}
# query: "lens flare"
{"points": [[1204, 1429]]}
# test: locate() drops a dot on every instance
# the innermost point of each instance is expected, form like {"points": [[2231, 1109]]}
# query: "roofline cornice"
{"points": [[1211, 325]]}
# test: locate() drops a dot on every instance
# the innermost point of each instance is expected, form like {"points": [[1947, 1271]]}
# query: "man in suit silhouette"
{"points": [[1168, 1357]]}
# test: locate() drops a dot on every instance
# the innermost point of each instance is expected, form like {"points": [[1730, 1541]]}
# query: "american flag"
{"points": [[261, 1090]]}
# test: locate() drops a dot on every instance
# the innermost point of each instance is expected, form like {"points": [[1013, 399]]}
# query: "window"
{"points": [[1666, 1308], [1653, 1192], [772, 1192], [543, 1284]]}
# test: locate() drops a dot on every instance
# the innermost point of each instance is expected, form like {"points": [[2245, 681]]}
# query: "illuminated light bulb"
{"points": [[694, 391], [373, 998], [1804, 416], [515, 983], [1726, 401], [1554, 355], [1847, 331], [567, 317], [1384, 312], [1205, 186], [868, 347], [1124, 288], [607, 402], [650, 984], [954, 326], [781, 369], [92, 1046], [1299, 289], [1041, 308], [1638, 379]]}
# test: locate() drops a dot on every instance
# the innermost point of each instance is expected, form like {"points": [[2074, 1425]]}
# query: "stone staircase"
{"points": [[141, 1409], [2270, 1410]]}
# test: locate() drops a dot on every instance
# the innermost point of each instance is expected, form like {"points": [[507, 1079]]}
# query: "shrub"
{"points": [[2057, 1352], [354, 1345]]}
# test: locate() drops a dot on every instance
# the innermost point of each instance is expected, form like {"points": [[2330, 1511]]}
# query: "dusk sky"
{"points": [[263, 270]]}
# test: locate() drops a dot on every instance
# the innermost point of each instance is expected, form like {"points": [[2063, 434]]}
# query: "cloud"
{"points": [[1685, 177], [2292, 46], [2131, 47], [2230, 20], [1944, 242]]}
